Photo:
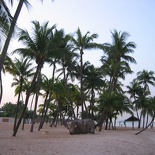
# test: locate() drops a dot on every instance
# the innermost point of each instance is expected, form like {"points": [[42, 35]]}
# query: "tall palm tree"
{"points": [[81, 43], [117, 57], [116, 61], [37, 48]]}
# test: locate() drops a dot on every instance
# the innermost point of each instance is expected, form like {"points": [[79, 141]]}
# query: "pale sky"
{"points": [[137, 17]]}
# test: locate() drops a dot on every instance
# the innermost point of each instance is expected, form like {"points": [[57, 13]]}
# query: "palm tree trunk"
{"points": [[147, 125], [1, 87], [36, 102], [54, 119], [103, 118], [81, 82], [34, 113], [77, 111], [137, 112], [92, 103], [113, 79], [140, 118], [45, 114], [42, 114], [147, 119], [32, 102], [143, 121], [18, 101], [84, 105], [23, 123]]}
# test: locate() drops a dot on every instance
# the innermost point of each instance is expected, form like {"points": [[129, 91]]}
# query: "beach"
{"points": [[58, 141]]}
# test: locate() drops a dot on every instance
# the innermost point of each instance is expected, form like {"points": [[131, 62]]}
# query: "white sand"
{"points": [[58, 141]]}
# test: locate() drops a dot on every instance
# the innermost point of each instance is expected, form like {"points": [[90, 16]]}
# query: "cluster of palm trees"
{"points": [[100, 94]]}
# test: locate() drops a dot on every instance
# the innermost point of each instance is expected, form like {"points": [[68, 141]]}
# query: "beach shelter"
{"points": [[132, 119]]}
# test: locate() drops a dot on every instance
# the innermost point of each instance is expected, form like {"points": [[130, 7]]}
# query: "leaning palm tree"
{"points": [[37, 48], [11, 30], [5, 18], [82, 43], [11, 27]]}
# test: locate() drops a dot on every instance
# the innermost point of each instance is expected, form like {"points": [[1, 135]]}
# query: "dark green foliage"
{"points": [[9, 110]]}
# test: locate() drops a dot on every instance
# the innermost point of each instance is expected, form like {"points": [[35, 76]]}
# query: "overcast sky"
{"points": [[137, 17]]}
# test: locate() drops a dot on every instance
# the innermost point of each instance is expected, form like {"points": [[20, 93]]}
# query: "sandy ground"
{"points": [[58, 141]]}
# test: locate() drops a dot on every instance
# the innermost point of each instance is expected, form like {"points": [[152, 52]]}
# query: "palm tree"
{"points": [[82, 43], [67, 56], [60, 96], [92, 83], [116, 62], [146, 78], [113, 104], [151, 108], [11, 30], [22, 71], [117, 57], [133, 90], [37, 48], [5, 18], [47, 86]]}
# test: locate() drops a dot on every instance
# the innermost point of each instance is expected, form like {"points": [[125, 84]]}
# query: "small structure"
{"points": [[131, 119], [7, 119]]}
